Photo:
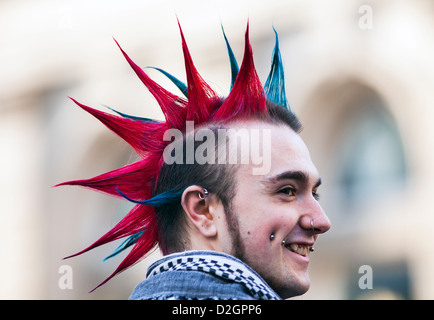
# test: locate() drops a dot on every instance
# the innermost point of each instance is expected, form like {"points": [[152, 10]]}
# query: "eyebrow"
{"points": [[300, 176]]}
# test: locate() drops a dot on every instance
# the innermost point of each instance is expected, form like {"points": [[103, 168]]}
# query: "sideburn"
{"points": [[238, 250]]}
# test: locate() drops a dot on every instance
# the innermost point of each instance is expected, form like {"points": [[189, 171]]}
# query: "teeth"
{"points": [[300, 249]]}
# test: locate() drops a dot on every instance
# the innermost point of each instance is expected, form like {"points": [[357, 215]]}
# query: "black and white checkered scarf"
{"points": [[217, 264]]}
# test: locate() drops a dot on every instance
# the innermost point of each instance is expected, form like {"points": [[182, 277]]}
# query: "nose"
{"points": [[315, 220]]}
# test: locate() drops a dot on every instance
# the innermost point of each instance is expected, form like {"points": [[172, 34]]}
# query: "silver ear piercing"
{"points": [[205, 194]]}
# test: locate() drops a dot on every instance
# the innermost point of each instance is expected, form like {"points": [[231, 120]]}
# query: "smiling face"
{"points": [[281, 203]]}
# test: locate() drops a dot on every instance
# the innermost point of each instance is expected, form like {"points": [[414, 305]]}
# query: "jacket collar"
{"points": [[218, 264]]}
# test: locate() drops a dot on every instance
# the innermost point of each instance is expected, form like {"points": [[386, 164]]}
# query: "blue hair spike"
{"points": [[275, 85], [233, 61], [181, 85], [159, 200], [131, 117], [125, 244]]}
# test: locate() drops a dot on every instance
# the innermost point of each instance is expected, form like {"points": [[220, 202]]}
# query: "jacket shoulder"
{"points": [[189, 285]]}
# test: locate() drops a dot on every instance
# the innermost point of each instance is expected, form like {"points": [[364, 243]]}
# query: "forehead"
{"points": [[287, 152]]}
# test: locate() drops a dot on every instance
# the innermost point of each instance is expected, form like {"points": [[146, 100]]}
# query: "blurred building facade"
{"points": [[359, 75]]}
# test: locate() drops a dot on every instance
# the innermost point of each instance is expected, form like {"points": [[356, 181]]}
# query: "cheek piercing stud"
{"points": [[272, 237], [283, 242]]}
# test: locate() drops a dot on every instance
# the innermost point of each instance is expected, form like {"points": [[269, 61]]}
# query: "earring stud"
{"points": [[205, 194]]}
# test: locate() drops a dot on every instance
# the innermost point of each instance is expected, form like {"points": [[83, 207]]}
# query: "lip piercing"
{"points": [[311, 249], [205, 194]]}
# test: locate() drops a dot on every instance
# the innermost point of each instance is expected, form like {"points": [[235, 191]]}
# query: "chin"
{"points": [[293, 288]]}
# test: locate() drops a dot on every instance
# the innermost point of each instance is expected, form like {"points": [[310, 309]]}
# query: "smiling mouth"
{"points": [[300, 249]]}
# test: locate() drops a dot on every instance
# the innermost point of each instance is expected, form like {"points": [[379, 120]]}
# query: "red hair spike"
{"points": [[171, 105], [247, 95], [201, 98]]}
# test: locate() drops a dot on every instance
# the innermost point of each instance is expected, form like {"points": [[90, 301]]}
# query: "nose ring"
{"points": [[311, 249]]}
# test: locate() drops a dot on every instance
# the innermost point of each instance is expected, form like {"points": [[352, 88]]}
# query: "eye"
{"points": [[290, 191], [315, 195]]}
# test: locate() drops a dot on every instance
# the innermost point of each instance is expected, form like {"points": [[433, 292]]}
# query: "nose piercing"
{"points": [[311, 249], [205, 194]]}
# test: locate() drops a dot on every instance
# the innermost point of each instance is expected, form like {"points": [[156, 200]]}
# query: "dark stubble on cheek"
{"points": [[238, 250]]}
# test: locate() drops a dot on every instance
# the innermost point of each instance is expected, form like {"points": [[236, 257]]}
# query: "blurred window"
{"points": [[372, 161]]}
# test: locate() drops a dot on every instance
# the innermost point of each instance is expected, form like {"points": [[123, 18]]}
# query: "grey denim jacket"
{"points": [[192, 275]]}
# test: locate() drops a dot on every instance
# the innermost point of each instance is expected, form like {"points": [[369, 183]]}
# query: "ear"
{"points": [[196, 206]]}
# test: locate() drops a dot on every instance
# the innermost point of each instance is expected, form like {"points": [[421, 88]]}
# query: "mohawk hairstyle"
{"points": [[136, 181]]}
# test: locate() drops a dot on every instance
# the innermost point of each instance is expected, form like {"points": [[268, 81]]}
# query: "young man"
{"points": [[233, 220]]}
